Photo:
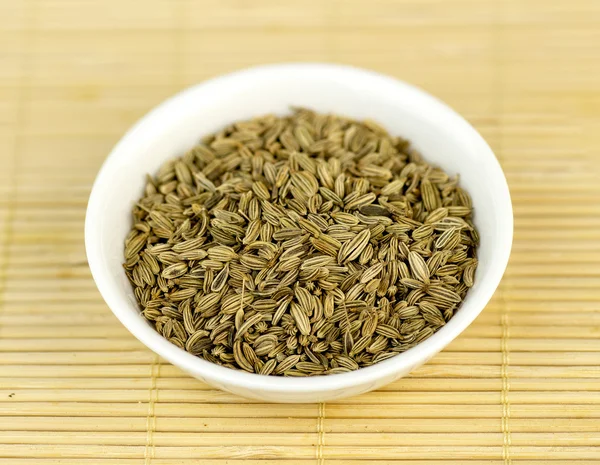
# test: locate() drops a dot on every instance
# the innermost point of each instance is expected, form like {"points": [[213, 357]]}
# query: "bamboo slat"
{"points": [[204, 461], [520, 386], [180, 439]]}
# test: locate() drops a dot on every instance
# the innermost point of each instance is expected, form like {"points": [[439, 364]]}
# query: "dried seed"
{"points": [[301, 318], [287, 364], [222, 253], [174, 271], [469, 274], [353, 248], [248, 324], [371, 273], [431, 313], [418, 267], [443, 293]]}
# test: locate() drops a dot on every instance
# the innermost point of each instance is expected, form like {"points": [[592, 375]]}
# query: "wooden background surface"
{"points": [[521, 385]]}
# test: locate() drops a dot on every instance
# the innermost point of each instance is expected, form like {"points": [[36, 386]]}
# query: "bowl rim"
{"points": [[413, 357]]}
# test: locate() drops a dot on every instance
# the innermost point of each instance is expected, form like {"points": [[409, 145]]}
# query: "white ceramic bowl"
{"points": [[444, 138]]}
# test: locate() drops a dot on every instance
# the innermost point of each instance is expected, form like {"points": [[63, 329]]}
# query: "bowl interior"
{"points": [[441, 135]]}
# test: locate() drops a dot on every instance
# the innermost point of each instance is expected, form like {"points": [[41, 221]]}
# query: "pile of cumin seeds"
{"points": [[301, 245]]}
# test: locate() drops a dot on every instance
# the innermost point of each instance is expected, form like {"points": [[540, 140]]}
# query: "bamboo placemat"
{"points": [[521, 385]]}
